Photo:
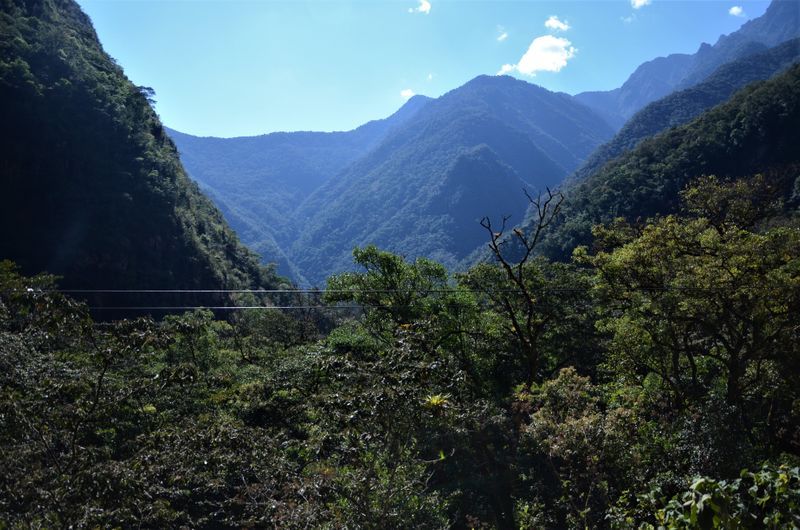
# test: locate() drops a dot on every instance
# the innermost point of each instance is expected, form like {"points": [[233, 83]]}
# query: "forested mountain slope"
{"points": [[659, 77], [258, 181], [754, 132], [651, 382], [422, 191], [682, 106], [93, 188], [416, 182]]}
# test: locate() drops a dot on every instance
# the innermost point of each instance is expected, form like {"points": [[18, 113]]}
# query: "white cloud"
{"points": [[546, 53], [636, 4], [630, 18], [736, 11], [555, 24], [503, 36], [507, 69], [430, 77], [407, 93], [423, 7]]}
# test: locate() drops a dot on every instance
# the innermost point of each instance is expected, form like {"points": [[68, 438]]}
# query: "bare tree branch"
{"points": [[527, 328]]}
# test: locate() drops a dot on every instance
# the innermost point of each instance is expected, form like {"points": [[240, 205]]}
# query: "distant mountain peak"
{"points": [[661, 76], [416, 99]]}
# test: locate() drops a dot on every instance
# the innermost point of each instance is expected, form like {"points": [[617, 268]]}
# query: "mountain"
{"points": [[416, 182], [754, 132], [683, 106], [649, 82], [93, 188], [258, 181], [659, 77], [465, 155], [780, 23]]}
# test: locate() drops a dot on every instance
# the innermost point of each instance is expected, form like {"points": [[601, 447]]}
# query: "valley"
{"points": [[418, 182]]}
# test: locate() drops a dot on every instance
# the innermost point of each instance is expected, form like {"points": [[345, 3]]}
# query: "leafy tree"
{"points": [[766, 498], [539, 304], [392, 292], [701, 297]]}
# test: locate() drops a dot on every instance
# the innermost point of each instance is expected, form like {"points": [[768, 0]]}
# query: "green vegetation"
{"points": [[628, 389], [93, 189], [752, 132], [683, 106], [664, 75], [417, 182], [651, 380]]}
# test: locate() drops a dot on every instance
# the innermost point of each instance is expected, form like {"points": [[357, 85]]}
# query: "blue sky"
{"points": [[234, 68]]}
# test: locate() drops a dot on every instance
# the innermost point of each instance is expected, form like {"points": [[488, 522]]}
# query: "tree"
{"points": [[391, 291], [701, 300], [537, 301]]}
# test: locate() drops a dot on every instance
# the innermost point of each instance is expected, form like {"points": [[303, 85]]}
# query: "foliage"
{"points": [[394, 292], [518, 394], [752, 132], [721, 306], [682, 106], [421, 408], [766, 498]]}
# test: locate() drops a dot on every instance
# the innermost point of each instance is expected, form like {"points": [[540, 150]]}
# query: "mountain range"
{"points": [[684, 105], [754, 132], [258, 181], [654, 380], [663, 75], [419, 181]]}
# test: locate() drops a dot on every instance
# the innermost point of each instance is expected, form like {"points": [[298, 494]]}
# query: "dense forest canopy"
{"points": [[630, 388]]}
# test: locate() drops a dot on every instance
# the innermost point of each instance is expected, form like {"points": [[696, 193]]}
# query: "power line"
{"points": [[235, 307], [352, 292], [358, 291]]}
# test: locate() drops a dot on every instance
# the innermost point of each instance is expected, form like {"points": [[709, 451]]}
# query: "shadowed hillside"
{"points": [[93, 188]]}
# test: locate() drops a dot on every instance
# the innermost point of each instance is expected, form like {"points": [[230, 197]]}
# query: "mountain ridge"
{"points": [[511, 118], [682, 106], [540, 135], [660, 76], [257, 180], [752, 132]]}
